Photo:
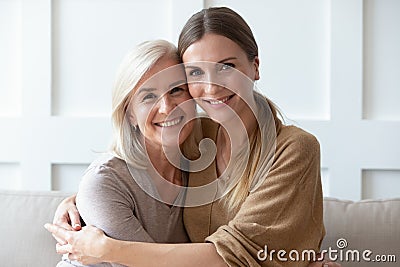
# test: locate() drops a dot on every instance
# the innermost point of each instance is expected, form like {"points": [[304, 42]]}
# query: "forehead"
{"points": [[164, 73], [213, 47]]}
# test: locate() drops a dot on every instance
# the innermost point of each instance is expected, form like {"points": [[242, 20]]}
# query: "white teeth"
{"points": [[216, 102], [170, 123]]}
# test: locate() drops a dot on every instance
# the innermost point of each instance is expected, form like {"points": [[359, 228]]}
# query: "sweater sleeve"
{"points": [[284, 213], [103, 201]]}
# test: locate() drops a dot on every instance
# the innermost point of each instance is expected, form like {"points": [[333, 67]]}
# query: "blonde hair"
{"points": [[126, 141], [252, 164]]}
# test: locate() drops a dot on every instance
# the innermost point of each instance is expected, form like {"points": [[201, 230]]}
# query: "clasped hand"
{"points": [[86, 246]]}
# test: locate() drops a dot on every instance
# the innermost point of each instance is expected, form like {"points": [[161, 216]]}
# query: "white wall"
{"points": [[333, 67]]}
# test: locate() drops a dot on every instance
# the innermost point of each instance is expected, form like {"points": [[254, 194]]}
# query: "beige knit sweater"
{"points": [[284, 213]]}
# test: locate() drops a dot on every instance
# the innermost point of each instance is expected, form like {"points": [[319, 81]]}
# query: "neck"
{"points": [[161, 164], [237, 132], [231, 137]]}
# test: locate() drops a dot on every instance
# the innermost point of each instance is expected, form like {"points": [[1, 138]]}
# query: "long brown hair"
{"points": [[226, 22]]}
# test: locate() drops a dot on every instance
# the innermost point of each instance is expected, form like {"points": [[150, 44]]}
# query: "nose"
{"points": [[210, 88], [210, 84], [166, 104]]}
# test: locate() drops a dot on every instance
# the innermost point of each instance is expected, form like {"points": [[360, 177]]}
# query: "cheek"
{"points": [[143, 116]]}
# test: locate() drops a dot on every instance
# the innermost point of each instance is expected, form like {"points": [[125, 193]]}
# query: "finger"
{"points": [[62, 221], [75, 219], [63, 249], [57, 231], [65, 225], [62, 241], [59, 240], [74, 257]]}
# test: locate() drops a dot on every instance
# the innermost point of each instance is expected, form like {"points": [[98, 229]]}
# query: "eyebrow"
{"points": [[172, 85], [227, 59], [141, 90], [177, 83], [221, 61]]}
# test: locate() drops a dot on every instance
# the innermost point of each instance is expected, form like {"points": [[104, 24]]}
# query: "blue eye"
{"points": [[196, 72], [149, 97], [227, 66]]}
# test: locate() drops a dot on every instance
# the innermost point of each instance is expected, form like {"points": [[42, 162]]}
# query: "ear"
{"points": [[257, 68], [132, 118]]}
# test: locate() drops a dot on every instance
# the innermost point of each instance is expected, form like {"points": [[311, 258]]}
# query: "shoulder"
{"points": [[107, 162], [106, 179], [296, 158], [296, 151], [294, 140], [106, 170]]}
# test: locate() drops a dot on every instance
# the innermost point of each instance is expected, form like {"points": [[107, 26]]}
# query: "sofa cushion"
{"points": [[24, 241], [365, 225]]}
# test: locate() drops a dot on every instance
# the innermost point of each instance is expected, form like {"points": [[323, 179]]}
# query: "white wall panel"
{"points": [[380, 184], [294, 45], [181, 11], [89, 40], [10, 176], [10, 140], [66, 177], [332, 66], [381, 59], [10, 58]]}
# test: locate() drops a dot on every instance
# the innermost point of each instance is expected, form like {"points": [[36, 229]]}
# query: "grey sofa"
{"points": [[367, 225]]}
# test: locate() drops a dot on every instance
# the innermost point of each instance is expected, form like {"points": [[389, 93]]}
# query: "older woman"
{"points": [[149, 112]]}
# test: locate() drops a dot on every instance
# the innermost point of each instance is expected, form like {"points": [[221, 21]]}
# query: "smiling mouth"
{"points": [[170, 123], [218, 101]]}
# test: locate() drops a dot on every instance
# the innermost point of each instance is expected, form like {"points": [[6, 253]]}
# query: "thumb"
{"points": [[75, 219]]}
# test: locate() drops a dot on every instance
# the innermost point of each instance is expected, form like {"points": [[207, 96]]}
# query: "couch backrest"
{"points": [[372, 225], [24, 241], [365, 225]]}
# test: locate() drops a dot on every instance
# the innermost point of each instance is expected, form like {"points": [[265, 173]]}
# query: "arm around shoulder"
{"points": [[104, 202]]}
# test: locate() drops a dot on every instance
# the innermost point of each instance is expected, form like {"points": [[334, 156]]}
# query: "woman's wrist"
{"points": [[122, 252], [111, 249], [106, 249]]}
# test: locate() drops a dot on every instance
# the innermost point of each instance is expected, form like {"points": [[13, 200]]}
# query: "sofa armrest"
{"points": [[24, 241], [365, 225]]}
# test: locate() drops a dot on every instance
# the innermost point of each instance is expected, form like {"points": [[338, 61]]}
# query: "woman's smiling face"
{"points": [[219, 75], [162, 107]]}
